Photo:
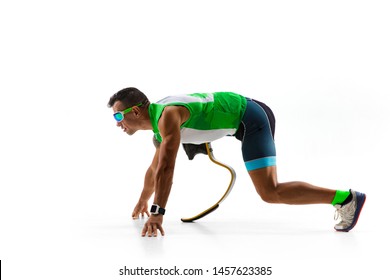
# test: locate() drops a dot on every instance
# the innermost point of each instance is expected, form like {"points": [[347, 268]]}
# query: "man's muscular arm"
{"points": [[169, 126]]}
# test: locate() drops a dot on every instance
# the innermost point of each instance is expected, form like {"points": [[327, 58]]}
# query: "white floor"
{"points": [[92, 237]]}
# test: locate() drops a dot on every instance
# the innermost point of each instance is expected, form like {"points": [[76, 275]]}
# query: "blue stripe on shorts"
{"points": [[260, 163]]}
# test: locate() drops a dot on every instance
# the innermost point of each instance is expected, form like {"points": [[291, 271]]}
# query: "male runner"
{"points": [[204, 117]]}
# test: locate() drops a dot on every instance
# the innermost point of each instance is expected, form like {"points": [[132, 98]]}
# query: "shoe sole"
{"points": [[360, 200]]}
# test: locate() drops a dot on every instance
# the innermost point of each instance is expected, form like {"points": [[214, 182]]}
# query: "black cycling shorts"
{"points": [[256, 132]]}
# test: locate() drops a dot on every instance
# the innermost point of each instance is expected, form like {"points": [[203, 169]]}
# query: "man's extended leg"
{"points": [[258, 149], [348, 204]]}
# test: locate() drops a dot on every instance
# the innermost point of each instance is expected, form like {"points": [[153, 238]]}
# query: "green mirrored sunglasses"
{"points": [[120, 115]]}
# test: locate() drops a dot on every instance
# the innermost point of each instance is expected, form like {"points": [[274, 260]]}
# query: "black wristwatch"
{"points": [[156, 210]]}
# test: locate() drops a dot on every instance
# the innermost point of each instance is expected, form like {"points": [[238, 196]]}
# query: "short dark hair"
{"points": [[129, 97]]}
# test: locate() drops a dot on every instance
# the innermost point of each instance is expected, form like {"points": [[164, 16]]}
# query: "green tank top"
{"points": [[212, 115]]}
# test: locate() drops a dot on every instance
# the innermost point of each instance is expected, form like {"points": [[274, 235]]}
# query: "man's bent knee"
{"points": [[265, 182], [269, 196]]}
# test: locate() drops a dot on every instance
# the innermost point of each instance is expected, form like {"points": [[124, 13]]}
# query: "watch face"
{"points": [[153, 209]]}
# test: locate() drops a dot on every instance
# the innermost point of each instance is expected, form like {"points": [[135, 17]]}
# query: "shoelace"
{"points": [[346, 212]]}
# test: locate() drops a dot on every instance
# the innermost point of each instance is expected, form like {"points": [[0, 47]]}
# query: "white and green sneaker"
{"points": [[348, 214]]}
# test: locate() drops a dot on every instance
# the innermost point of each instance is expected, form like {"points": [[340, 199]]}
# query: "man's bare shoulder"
{"points": [[175, 114]]}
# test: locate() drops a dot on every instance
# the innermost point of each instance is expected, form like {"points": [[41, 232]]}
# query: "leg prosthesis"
{"points": [[192, 150]]}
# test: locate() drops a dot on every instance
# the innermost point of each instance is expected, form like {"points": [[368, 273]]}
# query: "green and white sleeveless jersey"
{"points": [[212, 115]]}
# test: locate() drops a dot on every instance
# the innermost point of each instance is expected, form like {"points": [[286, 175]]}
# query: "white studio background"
{"points": [[70, 179]]}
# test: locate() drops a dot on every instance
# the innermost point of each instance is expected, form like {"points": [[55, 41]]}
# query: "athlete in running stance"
{"points": [[204, 117]]}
